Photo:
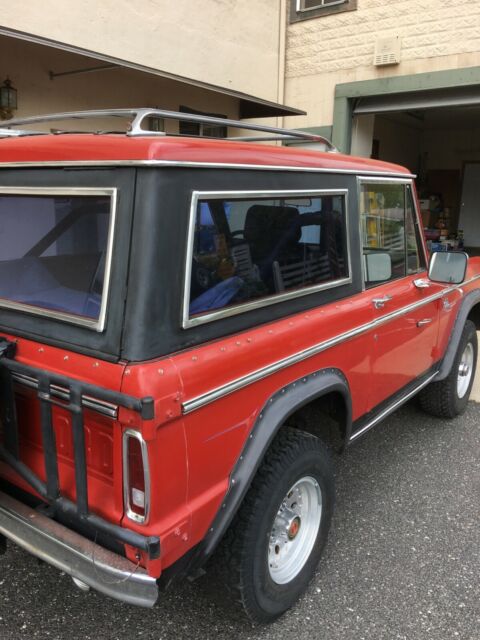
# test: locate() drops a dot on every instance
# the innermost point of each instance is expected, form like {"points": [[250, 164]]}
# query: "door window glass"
{"points": [[390, 235]]}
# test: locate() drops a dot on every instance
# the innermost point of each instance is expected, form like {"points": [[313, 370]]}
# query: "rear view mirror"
{"points": [[448, 267], [378, 267]]}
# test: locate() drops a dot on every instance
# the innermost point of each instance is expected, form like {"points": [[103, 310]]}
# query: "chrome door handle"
{"points": [[422, 283], [379, 303], [422, 323]]}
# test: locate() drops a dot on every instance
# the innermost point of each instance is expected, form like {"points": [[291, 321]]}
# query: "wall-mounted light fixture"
{"points": [[8, 99]]}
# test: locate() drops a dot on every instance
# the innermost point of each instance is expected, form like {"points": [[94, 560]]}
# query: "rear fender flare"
{"points": [[470, 300], [278, 408]]}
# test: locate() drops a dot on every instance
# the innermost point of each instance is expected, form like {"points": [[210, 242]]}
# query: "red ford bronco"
{"points": [[188, 327]]}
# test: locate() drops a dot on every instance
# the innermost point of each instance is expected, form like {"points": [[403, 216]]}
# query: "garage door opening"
{"points": [[440, 143]]}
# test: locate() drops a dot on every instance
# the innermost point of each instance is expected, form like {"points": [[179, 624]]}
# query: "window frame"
{"points": [[419, 237], [98, 324], [187, 321], [297, 13]]}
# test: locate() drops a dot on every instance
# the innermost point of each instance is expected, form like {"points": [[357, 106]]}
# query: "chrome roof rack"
{"points": [[137, 118]]}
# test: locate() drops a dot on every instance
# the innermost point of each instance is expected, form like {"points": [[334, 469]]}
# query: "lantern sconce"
{"points": [[8, 100]]}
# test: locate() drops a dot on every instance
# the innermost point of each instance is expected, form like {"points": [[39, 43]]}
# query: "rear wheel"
{"points": [[270, 553], [449, 397]]}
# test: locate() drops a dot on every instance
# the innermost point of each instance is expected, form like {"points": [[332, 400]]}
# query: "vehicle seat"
{"points": [[272, 234]]}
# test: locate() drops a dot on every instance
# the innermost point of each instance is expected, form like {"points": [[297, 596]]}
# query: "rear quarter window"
{"points": [[254, 249]]}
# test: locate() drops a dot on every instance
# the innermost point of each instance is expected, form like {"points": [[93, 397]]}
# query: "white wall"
{"points": [[231, 43], [29, 66]]}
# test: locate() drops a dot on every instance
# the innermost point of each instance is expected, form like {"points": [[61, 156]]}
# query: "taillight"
{"points": [[136, 488]]}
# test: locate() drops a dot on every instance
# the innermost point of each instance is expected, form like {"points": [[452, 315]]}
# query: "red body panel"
{"points": [[86, 147], [102, 434]]}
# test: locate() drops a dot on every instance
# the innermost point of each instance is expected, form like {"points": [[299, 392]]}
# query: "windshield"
{"points": [[54, 253]]}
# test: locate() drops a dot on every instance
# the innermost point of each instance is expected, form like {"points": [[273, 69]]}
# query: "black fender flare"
{"points": [[278, 408], [468, 302]]}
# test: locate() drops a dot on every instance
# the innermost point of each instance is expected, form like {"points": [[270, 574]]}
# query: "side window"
{"points": [[254, 251], [306, 9], [392, 246]]}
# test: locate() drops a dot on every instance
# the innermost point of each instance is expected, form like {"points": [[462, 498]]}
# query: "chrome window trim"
{"points": [[258, 374], [418, 219], [407, 182], [321, 5], [135, 517], [201, 165], [226, 312], [105, 408], [98, 324]]}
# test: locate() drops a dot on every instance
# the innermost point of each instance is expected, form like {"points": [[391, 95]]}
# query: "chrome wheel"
{"points": [[295, 530], [465, 370]]}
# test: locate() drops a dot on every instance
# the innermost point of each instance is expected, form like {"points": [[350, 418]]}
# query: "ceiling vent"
{"points": [[387, 51]]}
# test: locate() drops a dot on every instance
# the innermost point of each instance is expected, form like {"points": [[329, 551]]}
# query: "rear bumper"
{"points": [[70, 552]]}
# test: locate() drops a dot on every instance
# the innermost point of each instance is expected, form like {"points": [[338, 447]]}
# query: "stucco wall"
{"points": [[113, 88], [225, 42], [326, 51]]}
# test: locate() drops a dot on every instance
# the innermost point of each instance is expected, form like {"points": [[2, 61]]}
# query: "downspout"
{"points": [[282, 45]]}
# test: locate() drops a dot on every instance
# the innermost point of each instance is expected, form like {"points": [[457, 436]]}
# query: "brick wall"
{"points": [[325, 51], [428, 28]]}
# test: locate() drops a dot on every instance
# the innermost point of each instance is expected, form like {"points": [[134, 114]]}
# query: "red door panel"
{"points": [[404, 342]]}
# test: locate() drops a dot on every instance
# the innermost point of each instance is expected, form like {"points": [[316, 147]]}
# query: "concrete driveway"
{"points": [[475, 395]]}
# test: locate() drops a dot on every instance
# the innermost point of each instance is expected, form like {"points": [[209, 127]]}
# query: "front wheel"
{"points": [[271, 551], [449, 397]]}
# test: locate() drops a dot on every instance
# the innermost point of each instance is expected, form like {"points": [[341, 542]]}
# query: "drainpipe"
{"points": [[282, 42]]}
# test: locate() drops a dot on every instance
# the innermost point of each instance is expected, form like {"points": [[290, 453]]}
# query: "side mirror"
{"points": [[448, 267], [378, 266]]}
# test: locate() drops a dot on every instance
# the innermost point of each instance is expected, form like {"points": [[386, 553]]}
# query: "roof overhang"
{"points": [[249, 106]]}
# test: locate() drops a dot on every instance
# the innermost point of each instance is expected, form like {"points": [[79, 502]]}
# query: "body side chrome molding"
{"points": [[390, 409], [105, 408], [199, 165], [243, 381]]}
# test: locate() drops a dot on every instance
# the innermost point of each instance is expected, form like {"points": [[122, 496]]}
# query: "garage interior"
{"points": [[437, 136]]}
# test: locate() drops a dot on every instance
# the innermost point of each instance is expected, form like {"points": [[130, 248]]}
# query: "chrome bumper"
{"points": [[70, 552]]}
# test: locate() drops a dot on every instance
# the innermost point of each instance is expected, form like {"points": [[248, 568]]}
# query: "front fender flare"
{"points": [[470, 300]]}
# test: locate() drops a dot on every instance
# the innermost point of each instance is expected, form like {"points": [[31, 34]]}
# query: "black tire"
{"points": [[243, 556], [441, 399]]}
